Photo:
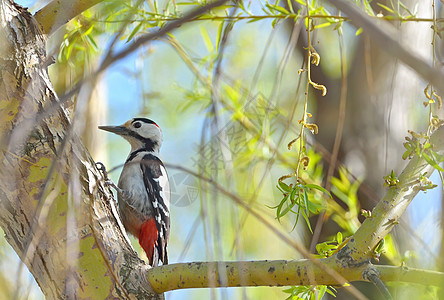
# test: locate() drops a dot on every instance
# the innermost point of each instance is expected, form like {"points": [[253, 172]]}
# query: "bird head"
{"points": [[141, 133]]}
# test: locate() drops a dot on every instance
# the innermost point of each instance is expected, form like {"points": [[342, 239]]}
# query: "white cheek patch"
{"points": [[150, 131]]}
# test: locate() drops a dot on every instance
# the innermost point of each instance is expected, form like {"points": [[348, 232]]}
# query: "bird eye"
{"points": [[137, 125]]}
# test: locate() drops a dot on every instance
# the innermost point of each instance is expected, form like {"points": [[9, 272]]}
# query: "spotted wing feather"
{"points": [[156, 182]]}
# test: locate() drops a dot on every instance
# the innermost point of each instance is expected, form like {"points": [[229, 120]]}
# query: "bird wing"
{"points": [[157, 185]]}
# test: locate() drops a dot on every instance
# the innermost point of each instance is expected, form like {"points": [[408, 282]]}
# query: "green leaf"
{"points": [[278, 211], [322, 25], [134, 32], [380, 246], [301, 2], [314, 207], [89, 30], [278, 9], [322, 290], [406, 154], [92, 42], [287, 209], [368, 8], [338, 25], [290, 5], [69, 49], [318, 187], [284, 186], [273, 207], [324, 248], [432, 162], [297, 216], [219, 34], [254, 20], [206, 38], [406, 9], [339, 237], [386, 8], [306, 203], [274, 23], [281, 10], [331, 290], [293, 194], [307, 221]]}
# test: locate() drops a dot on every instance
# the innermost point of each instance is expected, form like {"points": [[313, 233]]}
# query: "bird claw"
{"points": [[119, 191], [101, 167], [111, 183]]}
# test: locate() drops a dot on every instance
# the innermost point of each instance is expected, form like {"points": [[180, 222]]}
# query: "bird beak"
{"points": [[120, 130]]}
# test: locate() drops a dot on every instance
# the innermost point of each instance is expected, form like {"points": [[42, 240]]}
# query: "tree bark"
{"points": [[55, 210]]}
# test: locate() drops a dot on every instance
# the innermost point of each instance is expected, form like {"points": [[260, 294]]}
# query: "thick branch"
{"points": [[243, 273], [57, 13], [404, 274], [388, 211], [385, 36], [274, 273]]}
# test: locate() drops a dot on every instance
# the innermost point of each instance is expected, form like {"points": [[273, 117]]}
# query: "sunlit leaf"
{"points": [[339, 237], [284, 186], [386, 8], [322, 290], [317, 187], [307, 221], [432, 162], [220, 29], [134, 32], [206, 38], [322, 25]]}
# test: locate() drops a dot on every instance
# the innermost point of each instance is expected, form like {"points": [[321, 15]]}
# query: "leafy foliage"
{"points": [[309, 292], [298, 196], [327, 248]]}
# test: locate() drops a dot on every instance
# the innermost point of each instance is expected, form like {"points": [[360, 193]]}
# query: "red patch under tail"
{"points": [[148, 238]]}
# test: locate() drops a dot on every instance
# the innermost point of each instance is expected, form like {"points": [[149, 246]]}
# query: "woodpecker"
{"points": [[143, 190]]}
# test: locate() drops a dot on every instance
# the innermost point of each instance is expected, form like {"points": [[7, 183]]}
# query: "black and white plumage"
{"points": [[143, 188]]}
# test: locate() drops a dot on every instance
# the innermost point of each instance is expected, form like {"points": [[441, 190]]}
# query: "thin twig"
{"points": [[162, 18], [111, 58], [338, 137]]}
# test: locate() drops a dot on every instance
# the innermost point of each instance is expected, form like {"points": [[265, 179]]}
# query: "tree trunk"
{"points": [[55, 210], [61, 219]]}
